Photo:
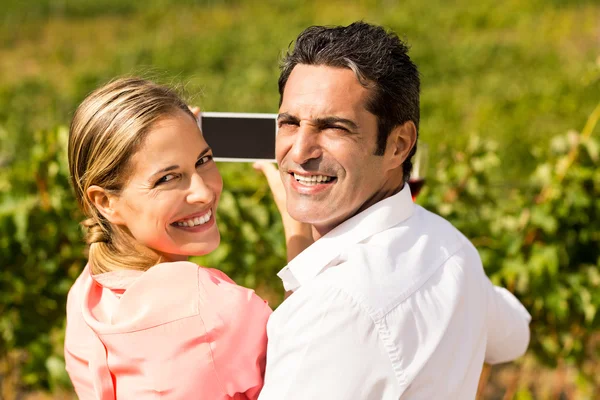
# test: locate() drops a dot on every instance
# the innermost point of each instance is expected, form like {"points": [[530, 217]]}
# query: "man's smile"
{"points": [[310, 184], [313, 179]]}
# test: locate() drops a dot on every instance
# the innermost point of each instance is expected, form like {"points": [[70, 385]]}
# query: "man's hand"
{"points": [[298, 235]]}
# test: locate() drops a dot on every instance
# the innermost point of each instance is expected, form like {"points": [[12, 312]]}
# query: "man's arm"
{"points": [[324, 345], [508, 326], [298, 235]]}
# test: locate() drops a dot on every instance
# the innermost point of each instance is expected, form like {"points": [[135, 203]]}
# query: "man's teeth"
{"points": [[196, 221], [312, 179]]}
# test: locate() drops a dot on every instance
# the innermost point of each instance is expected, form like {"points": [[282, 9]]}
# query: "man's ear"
{"points": [[106, 203], [399, 143]]}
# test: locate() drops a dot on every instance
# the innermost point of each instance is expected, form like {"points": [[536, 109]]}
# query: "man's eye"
{"points": [[204, 160], [166, 178], [337, 128], [287, 123]]}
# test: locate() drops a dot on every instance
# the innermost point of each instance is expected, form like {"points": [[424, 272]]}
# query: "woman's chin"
{"points": [[195, 249]]}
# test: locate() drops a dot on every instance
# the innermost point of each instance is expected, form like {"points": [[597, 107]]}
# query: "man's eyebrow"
{"points": [[173, 167], [287, 117], [321, 122], [327, 121]]}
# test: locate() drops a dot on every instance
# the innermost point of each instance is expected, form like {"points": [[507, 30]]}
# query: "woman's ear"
{"points": [[399, 143], [106, 203]]}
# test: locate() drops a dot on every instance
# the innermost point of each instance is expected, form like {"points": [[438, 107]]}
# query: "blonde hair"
{"points": [[108, 127]]}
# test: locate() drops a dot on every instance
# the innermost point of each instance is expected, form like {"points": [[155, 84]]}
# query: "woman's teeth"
{"points": [[312, 179], [195, 221]]}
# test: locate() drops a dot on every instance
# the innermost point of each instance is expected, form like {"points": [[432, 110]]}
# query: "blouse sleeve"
{"points": [[239, 350]]}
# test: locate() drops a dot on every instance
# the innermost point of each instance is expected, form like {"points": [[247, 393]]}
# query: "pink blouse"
{"points": [[176, 331]]}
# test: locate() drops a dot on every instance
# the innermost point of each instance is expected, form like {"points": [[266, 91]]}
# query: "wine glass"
{"points": [[417, 177]]}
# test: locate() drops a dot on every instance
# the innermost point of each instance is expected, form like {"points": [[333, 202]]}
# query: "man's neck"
{"points": [[320, 231]]}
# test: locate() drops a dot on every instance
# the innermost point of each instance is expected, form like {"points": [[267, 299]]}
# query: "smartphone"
{"points": [[240, 137]]}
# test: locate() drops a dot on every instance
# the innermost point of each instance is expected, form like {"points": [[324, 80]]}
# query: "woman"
{"points": [[142, 322]]}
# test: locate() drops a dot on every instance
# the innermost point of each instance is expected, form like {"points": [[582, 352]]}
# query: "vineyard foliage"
{"points": [[509, 109]]}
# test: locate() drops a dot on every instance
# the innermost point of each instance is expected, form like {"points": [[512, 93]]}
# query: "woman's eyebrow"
{"points": [[174, 167], [167, 169], [203, 152]]}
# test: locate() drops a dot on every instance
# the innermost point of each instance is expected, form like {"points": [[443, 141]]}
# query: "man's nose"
{"points": [[305, 146], [199, 191]]}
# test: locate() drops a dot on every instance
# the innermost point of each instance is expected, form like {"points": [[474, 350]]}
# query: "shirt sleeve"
{"points": [[328, 349], [508, 326]]}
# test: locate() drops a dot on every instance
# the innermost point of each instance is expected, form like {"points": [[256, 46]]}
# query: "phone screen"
{"points": [[240, 137]]}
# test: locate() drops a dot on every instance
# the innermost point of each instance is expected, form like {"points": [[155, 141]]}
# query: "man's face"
{"points": [[325, 147]]}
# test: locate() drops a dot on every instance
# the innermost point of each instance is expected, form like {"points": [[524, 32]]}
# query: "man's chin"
{"points": [[305, 216], [313, 216]]}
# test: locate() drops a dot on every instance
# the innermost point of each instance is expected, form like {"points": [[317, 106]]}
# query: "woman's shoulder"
{"points": [[217, 273], [74, 295], [78, 335], [194, 275], [169, 291], [234, 304], [218, 288], [213, 288]]}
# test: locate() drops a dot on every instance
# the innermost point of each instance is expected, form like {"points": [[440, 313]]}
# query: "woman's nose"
{"points": [[199, 191]]}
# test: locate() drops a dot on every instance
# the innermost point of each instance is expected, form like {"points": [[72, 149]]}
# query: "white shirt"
{"points": [[391, 304]]}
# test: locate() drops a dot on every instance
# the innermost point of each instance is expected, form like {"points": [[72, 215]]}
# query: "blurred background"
{"points": [[510, 104]]}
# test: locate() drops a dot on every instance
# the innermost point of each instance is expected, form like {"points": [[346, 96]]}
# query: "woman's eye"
{"points": [[204, 160], [166, 178]]}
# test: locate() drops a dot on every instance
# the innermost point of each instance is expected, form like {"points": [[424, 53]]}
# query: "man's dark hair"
{"points": [[381, 63]]}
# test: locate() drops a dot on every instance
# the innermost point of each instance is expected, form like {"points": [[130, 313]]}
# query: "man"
{"points": [[391, 301]]}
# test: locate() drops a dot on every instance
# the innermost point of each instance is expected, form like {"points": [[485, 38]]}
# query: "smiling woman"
{"points": [[141, 320], [172, 186]]}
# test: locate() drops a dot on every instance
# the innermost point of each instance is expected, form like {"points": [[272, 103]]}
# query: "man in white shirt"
{"points": [[391, 301]]}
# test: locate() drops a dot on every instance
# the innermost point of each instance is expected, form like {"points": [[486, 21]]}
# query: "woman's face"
{"points": [[169, 201]]}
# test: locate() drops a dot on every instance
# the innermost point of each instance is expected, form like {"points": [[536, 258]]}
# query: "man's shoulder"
{"points": [[393, 265]]}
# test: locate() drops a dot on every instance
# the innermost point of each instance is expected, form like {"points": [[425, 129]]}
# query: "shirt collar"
{"points": [[119, 280], [377, 218]]}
